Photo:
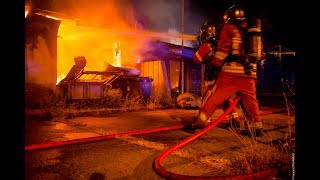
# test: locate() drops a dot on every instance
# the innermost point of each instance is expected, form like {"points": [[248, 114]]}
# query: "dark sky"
{"points": [[279, 17], [279, 20]]}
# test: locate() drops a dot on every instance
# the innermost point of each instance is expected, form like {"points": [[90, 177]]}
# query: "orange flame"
{"points": [[60, 78], [97, 46], [100, 46], [26, 11], [117, 55]]}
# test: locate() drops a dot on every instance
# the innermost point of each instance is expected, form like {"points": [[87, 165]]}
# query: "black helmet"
{"points": [[207, 33], [234, 14]]}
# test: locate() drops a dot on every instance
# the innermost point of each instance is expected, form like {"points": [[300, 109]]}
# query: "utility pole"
{"points": [[182, 22], [280, 52], [182, 60]]}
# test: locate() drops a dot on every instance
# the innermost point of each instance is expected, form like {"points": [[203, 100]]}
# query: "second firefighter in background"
{"points": [[208, 43], [237, 54]]}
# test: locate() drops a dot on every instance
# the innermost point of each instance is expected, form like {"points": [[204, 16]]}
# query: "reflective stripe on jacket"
{"points": [[231, 43], [203, 53]]}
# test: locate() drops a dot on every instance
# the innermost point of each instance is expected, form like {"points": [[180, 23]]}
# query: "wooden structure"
{"points": [[172, 69]]}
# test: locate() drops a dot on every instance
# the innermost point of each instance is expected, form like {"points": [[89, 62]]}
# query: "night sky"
{"points": [[279, 18]]}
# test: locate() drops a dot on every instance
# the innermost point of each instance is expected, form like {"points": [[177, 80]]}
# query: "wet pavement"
{"points": [[131, 157]]}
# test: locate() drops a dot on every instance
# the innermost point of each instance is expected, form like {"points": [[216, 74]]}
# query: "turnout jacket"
{"points": [[231, 44]]}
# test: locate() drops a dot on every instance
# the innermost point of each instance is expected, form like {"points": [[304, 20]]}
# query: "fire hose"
{"points": [[97, 138], [157, 162], [49, 145], [169, 175]]}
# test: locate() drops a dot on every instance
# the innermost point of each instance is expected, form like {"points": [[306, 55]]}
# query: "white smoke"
{"points": [[167, 16]]}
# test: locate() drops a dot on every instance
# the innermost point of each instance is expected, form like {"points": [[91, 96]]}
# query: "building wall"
{"points": [[158, 72], [41, 51], [165, 75]]}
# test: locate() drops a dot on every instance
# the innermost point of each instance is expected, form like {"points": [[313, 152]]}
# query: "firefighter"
{"points": [[208, 43], [238, 70]]}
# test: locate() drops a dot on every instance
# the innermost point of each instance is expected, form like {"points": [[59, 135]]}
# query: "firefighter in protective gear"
{"points": [[208, 43], [207, 34], [238, 75]]}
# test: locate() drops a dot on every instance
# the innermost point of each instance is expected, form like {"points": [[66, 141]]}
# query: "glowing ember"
{"points": [[60, 78], [51, 17], [26, 10]]}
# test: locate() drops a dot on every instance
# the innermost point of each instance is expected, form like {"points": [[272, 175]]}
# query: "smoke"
{"points": [[166, 16], [162, 15]]}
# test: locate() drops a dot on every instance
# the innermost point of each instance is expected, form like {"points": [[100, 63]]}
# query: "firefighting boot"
{"points": [[257, 129], [253, 129], [200, 121], [234, 122]]}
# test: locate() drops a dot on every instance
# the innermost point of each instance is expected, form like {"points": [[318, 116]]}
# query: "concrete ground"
{"points": [[219, 152]]}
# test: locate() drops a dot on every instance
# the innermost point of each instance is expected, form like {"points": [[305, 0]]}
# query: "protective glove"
{"points": [[201, 54]]}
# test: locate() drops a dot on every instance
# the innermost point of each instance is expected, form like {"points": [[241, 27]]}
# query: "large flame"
{"points": [[97, 46], [100, 45], [113, 37]]}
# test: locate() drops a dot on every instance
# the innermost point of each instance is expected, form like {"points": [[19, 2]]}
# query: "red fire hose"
{"points": [[168, 175], [98, 138]]}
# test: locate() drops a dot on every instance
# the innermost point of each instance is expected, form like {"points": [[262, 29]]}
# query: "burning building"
{"points": [[55, 40]]}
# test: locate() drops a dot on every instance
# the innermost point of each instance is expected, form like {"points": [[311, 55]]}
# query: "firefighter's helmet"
{"points": [[234, 14], [207, 33]]}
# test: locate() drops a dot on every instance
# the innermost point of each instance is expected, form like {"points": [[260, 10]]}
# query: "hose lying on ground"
{"points": [[169, 175]]}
